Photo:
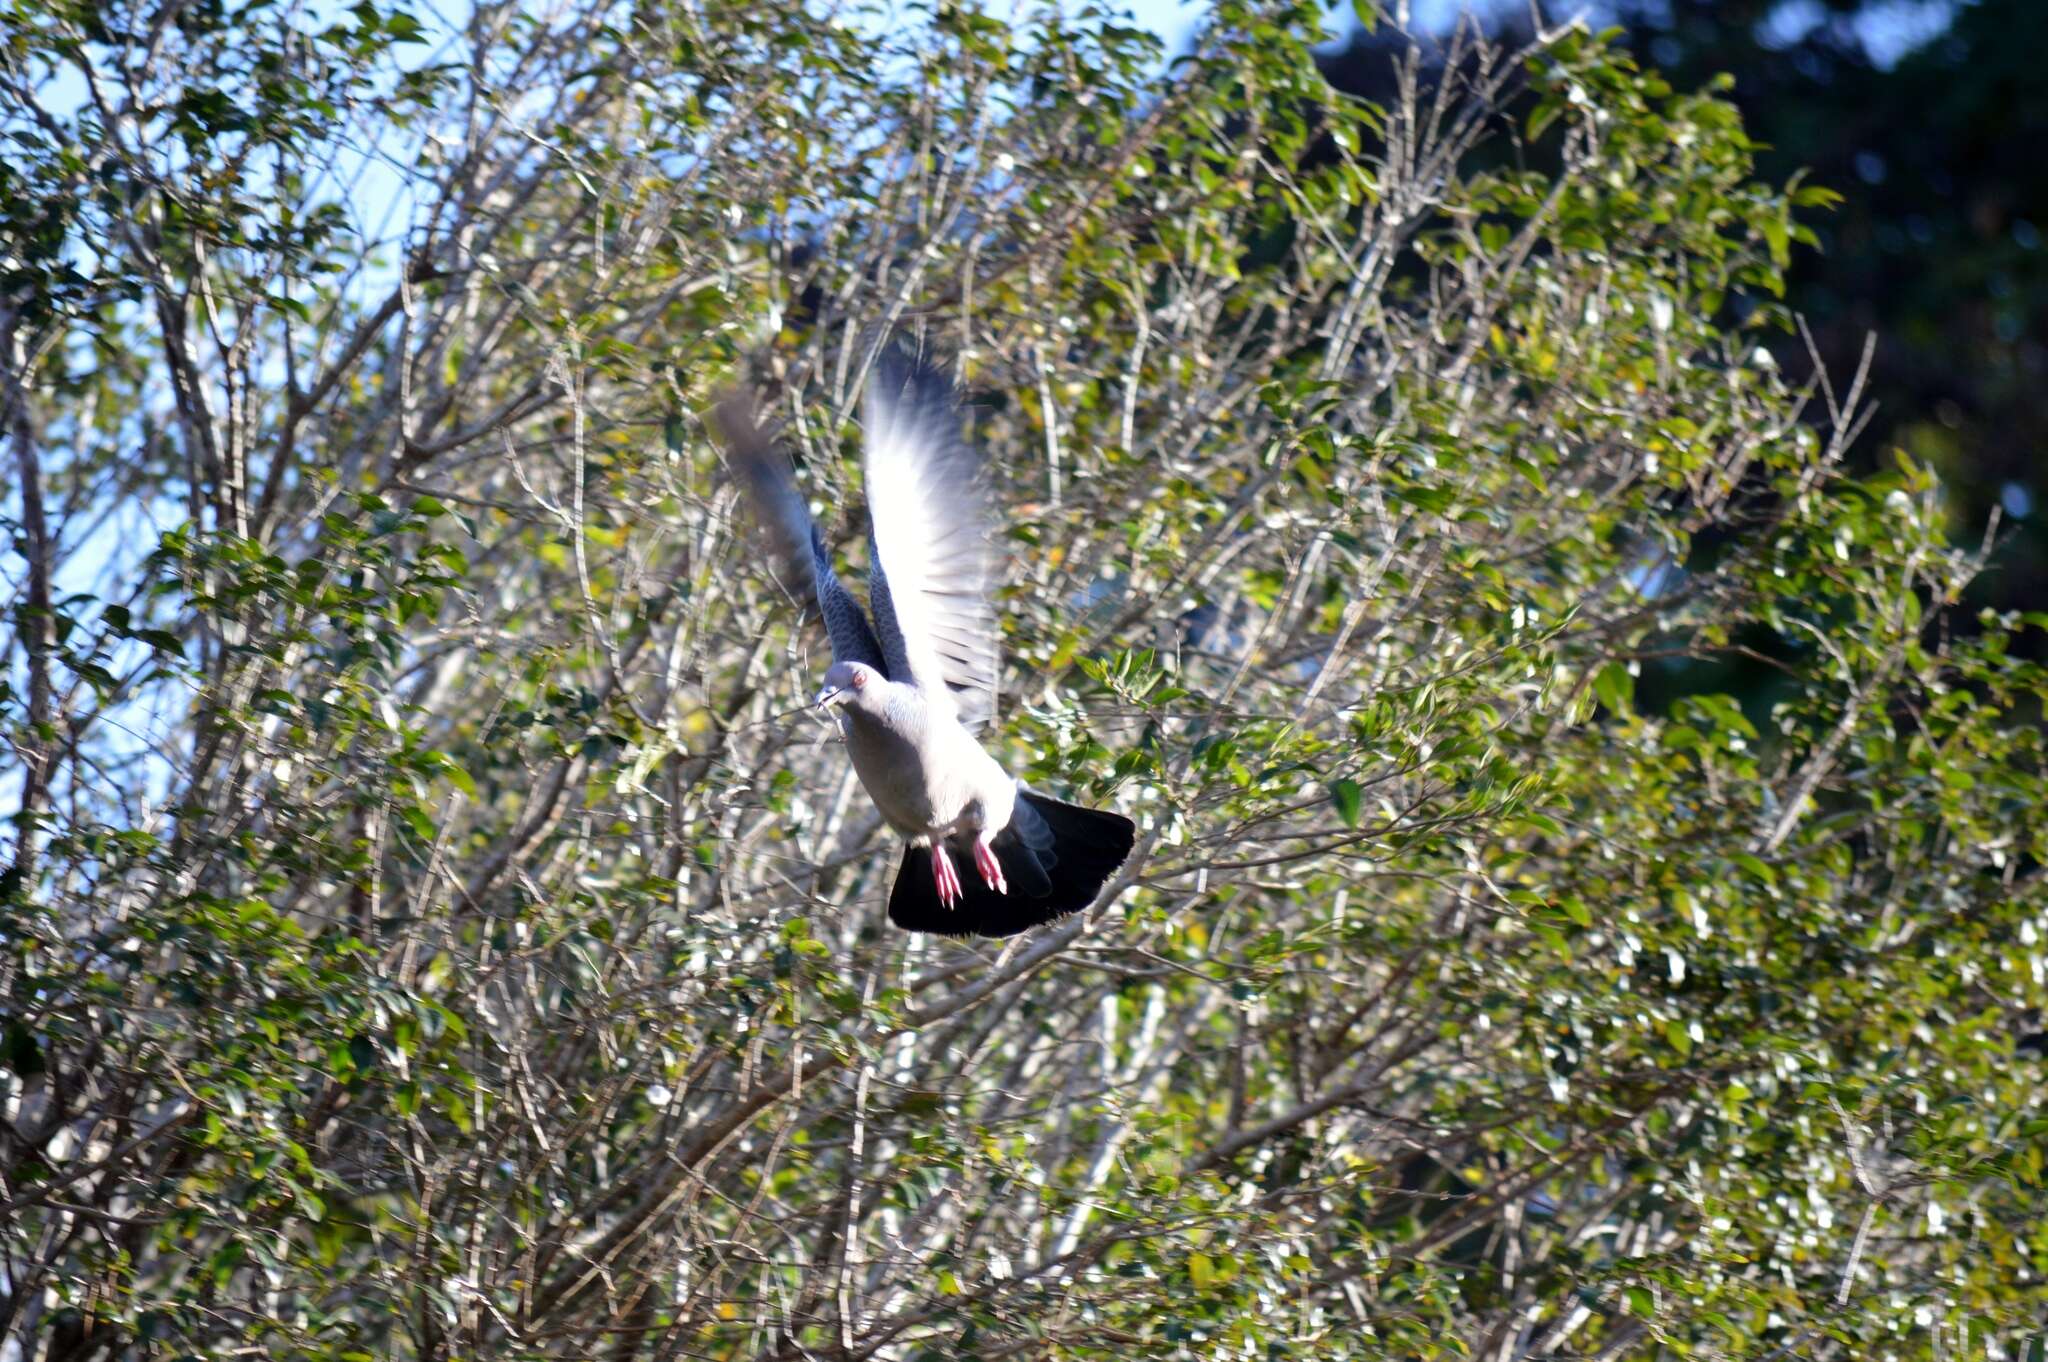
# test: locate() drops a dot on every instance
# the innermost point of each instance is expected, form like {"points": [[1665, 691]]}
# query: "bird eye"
{"points": [[859, 679]]}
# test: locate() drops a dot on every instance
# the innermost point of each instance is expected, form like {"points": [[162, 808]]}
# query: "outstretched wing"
{"points": [[802, 562], [928, 531]]}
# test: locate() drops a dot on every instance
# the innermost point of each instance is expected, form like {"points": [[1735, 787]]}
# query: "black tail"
{"points": [[1055, 856]]}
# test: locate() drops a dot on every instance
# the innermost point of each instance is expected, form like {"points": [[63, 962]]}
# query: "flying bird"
{"points": [[911, 685]]}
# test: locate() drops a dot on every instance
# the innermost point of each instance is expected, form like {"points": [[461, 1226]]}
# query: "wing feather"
{"points": [[928, 528], [803, 563]]}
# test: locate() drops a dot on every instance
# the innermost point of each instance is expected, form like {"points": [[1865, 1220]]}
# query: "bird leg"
{"points": [[944, 877], [991, 869]]}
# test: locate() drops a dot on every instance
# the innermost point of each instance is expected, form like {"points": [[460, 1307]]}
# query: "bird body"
{"points": [[924, 770], [910, 685]]}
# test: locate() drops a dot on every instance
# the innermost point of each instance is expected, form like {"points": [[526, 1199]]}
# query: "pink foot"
{"points": [[991, 869], [944, 877]]}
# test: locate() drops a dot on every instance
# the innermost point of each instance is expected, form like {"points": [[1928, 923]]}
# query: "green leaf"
{"points": [[1615, 687]]}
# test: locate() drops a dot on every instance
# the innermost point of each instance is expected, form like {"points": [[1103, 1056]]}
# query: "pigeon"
{"points": [[912, 685]]}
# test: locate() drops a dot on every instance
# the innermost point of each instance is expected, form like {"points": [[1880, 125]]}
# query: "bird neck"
{"points": [[892, 705]]}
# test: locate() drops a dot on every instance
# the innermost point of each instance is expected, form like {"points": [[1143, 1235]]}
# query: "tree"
{"points": [[1937, 245], [434, 930]]}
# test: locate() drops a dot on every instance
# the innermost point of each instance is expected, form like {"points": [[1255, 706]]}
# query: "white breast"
{"points": [[893, 773], [940, 783]]}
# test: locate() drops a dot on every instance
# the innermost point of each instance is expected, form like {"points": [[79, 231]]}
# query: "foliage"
{"points": [[435, 930], [1937, 245]]}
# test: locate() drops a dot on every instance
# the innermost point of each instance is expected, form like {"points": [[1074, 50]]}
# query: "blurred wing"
{"points": [[928, 527], [803, 564]]}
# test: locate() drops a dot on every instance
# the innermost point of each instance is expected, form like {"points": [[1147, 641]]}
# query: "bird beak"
{"points": [[829, 696]]}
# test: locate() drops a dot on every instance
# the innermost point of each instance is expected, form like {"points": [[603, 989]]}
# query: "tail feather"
{"points": [[1055, 856]]}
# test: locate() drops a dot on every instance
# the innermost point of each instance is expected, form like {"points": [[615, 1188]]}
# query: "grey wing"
{"points": [[928, 529], [803, 563]]}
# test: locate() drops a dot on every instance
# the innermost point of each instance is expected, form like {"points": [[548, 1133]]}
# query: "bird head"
{"points": [[846, 682]]}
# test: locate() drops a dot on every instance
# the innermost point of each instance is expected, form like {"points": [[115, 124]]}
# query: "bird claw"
{"points": [[945, 878], [991, 869]]}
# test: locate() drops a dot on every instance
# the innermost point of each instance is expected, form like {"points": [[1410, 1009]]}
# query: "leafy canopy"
{"points": [[434, 930]]}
